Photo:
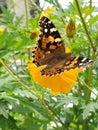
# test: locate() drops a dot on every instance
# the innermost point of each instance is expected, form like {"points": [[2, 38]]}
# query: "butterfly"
{"points": [[51, 51]]}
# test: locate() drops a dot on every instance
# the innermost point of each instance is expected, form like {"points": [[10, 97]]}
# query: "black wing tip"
{"points": [[44, 17], [85, 62]]}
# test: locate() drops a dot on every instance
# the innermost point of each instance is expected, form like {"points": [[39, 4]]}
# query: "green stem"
{"points": [[88, 88], [51, 114], [87, 96], [90, 3], [88, 92], [26, 12], [35, 5], [64, 125], [84, 25], [24, 86], [70, 42], [86, 85]]}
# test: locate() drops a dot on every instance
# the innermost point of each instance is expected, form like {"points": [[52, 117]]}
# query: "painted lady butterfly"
{"points": [[50, 51]]}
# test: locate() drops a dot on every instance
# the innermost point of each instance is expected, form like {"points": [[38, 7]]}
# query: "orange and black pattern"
{"points": [[51, 51]]}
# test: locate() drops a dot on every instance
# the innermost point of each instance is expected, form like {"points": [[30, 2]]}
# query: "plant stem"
{"points": [[84, 25], [90, 3], [70, 42], [86, 85], [51, 114], [37, 7], [17, 78], [25, 86], [26, 12], [88, 91], [87, 94], [64, 125]]}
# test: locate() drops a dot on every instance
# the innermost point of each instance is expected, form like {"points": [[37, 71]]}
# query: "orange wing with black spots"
{"points": [[49, 43], [50, 38], [50, 51]]}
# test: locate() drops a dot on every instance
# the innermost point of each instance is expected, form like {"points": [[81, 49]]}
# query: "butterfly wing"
{"points": [[50, 38], [49, 44], [66, 65], [50, 50], [77, 62]]}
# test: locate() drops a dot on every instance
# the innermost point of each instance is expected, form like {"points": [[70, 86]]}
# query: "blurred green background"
{"points": [[25, 105]]}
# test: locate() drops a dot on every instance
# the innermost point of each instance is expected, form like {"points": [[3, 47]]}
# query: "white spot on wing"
{"points": [[80, 64], [46, 30], [53, 30], [49, 22], [83, 59], [57, 39], [90, 61]]}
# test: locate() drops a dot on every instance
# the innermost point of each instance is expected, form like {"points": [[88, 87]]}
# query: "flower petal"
{"points": [[60, 83]]}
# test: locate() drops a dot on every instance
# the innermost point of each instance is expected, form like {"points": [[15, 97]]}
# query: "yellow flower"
{"points": [[70, 28], [1, 30], [44, 14], [47, 12], [50, 9], [86, 10], [61, 83]]}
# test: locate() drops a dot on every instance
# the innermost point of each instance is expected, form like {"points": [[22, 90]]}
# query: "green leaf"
{"points": [[3, 110], [8, 16], [89, 109], [66, 100], [89, 11], [93, 20], [8, 124]]}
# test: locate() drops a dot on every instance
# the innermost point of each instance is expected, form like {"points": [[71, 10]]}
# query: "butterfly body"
{"points": [[51, 51]]}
